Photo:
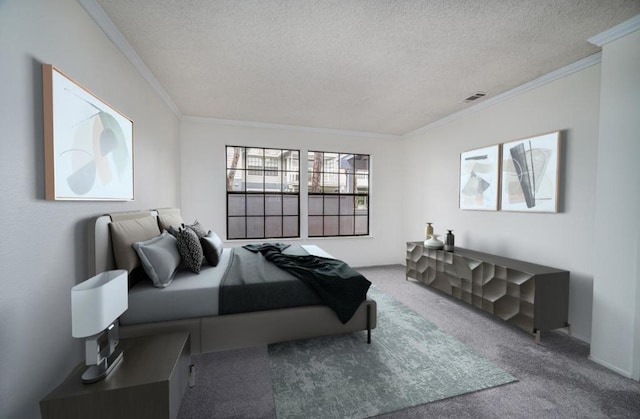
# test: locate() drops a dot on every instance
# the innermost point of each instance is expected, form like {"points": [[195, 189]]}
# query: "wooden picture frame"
{"points": [[88, 144], [529, 175], [479, 179]]}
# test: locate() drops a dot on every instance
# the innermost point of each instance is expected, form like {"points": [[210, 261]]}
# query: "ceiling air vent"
{"points": [[474, 96]]}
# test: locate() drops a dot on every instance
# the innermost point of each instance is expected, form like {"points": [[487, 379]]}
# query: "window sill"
{"points": [[370, 236], [296, 239]]}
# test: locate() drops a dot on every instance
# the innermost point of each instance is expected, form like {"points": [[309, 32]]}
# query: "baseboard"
{"points": [[620, 371]]}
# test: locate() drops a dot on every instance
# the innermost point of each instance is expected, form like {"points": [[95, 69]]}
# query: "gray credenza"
{"points": [[532, 297]]}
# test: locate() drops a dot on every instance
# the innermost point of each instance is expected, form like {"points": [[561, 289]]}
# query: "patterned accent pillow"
{"points": [[190, 249], [197, 228]]}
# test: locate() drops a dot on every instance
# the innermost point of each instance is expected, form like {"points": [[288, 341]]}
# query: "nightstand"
{"points": [[148, 383]]}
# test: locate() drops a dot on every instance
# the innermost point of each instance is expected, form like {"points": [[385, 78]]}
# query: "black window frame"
{"points": [[265, 192], [329, 193]]}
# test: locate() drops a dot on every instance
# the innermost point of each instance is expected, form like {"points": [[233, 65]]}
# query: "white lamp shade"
{"points": [[98, 302]]}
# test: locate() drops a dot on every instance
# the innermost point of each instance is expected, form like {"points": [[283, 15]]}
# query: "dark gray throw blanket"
{"points": [[336, 284]]}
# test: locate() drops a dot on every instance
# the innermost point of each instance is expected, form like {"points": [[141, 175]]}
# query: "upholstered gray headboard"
{"points": [[100, 249]]}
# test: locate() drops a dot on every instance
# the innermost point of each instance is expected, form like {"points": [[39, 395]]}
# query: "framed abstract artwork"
{"points": [[88, 144], [529, 176], [479, 177]]}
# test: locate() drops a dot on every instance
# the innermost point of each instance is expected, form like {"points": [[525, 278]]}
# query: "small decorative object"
{"points": [[448, 241], [433, 242], [428, 232], [88, 145], [96, 305]]}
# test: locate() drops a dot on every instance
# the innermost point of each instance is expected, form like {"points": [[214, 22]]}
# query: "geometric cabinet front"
{"points": [[503, 287]]}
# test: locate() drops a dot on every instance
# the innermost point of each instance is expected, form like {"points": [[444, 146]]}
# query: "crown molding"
{"points": [[266, 125], [533, 84], [101, 18], [618, 31]]}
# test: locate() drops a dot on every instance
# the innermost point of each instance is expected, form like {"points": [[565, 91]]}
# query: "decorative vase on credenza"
{"points": [[428, 231], [433, 242], [449, 241]]}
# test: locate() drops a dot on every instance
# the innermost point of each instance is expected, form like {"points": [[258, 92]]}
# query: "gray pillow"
{"points": [[197, 228], [190, 249], [212, 248], [125, 233], [160, 258]]}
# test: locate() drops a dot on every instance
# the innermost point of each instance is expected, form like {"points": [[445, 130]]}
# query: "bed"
{"points": [[191, 303]]}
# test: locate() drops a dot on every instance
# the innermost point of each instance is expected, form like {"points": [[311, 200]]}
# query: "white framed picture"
{"points": [[88, 144], [529, 177], [479, 178]]}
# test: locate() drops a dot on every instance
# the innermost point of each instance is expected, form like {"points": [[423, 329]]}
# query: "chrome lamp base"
{"points": [[97, 372], [102, 354]]}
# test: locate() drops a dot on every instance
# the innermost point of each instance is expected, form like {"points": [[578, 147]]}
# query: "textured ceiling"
{"points": [[380, 66]]}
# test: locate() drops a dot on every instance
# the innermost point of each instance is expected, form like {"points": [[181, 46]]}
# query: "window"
{"points": [[338, 194], [263, 193]]}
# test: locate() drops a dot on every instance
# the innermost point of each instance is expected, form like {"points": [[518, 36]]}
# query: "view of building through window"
{"points": [[263, 186], [338, 190], [263, 193]]}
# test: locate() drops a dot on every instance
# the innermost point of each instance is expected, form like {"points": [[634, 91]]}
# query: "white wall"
{"points": [[616, 307], [43, 250], [564, 240], [203, 182]]}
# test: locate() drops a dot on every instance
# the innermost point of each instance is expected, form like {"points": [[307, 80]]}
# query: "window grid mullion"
{"points": [[264, 190], [246, 196], [282, 174]]}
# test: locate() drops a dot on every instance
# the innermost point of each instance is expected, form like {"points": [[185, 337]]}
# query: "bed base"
{"points": [[233, 331]]}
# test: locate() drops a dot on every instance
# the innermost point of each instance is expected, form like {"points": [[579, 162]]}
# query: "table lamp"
{"points": [[96, 305]]}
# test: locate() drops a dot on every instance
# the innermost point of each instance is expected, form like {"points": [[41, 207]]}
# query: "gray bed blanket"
{"points": [[252, 283]]}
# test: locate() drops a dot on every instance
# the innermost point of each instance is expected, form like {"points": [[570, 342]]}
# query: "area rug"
{"points": [[409, 362]]}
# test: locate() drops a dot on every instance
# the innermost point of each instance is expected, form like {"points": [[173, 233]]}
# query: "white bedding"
{"points": [[188, 296]]}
